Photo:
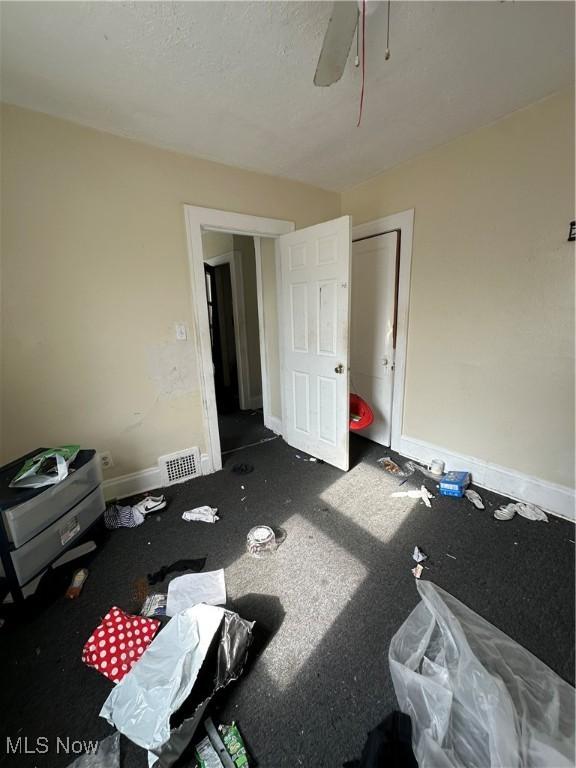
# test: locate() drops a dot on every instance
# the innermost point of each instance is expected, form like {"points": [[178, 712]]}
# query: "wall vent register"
{"points": [[180, 466]]}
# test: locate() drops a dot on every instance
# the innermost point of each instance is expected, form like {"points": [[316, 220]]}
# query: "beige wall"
{"points": [[95, 275], [490, 370]]}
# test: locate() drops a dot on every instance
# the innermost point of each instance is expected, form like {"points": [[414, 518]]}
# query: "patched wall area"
{"points": [[95, 277]]}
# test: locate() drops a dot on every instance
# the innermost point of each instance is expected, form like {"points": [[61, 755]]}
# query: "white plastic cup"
{"points": [[436, 467]]}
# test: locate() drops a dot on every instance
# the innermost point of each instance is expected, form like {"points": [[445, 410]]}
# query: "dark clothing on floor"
{"points": [[389, 745]]}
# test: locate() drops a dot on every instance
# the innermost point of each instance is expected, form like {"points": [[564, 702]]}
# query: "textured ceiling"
{"points": [[232, 81]]}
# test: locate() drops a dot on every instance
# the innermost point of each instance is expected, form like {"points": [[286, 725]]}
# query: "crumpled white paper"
{"points": [[201, 515], [193, 588], [423, 494], [419, 556]]}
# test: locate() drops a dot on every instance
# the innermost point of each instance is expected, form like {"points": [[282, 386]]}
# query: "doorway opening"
{"points": [[232, 300], [302, 310], [381, 269], [373, 328]]}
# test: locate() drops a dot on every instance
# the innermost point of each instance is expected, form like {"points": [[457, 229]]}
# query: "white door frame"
{"points": [[234, 261], [272, 422], [403, 223], [198, 219]]}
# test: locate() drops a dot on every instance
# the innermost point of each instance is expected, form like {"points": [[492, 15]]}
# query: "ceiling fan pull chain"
{"points": [[363, 63], [357, 57], [387, 54]]}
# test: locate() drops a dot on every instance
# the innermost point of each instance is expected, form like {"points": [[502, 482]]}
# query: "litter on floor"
{"points": [[193, 588], [264, 606], [203, 514]]}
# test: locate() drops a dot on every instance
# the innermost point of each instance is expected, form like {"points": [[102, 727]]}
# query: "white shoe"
{"points": [[150, 504], [475, 498], [506, 512]]}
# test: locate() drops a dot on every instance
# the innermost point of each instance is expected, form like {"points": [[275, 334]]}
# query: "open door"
{"points": [[315, 269]]}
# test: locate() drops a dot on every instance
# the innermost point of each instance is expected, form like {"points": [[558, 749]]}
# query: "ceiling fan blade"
{"points": [[337, 42]]}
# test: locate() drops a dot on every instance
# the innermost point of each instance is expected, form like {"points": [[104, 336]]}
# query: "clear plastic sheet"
{"points": [[106, 756], [476, 697]]}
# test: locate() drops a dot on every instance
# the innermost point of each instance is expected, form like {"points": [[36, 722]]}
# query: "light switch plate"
{"points": [[181, 332]]}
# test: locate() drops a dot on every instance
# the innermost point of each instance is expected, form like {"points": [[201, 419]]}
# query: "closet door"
{"points": [[372, 338]]}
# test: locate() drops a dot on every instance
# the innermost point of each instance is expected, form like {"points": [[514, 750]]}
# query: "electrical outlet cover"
{"points": [[106, 459]]}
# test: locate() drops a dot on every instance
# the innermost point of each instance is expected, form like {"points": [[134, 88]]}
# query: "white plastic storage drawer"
{"points": [[29, 518], [46, 546]]}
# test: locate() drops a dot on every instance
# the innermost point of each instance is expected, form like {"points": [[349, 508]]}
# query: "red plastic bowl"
{"points": [[361, 415]]}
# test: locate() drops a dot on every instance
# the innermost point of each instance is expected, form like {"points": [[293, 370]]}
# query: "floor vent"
{"points": [[180, 466]]}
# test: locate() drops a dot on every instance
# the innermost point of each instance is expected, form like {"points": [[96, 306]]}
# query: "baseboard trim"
{"points": [[274, 423], [557, 499], [134, 482], [254, 403], [206, 464], [145, 480]]}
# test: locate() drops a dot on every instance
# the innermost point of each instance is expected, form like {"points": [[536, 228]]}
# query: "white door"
{"points": [[315, 275], [372, 329]]}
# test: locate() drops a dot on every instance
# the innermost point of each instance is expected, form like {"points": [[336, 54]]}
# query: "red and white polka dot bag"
{"points": [[118, 642]]}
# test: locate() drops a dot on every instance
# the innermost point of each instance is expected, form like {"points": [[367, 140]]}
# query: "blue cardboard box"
{"points": [[454, 483]]}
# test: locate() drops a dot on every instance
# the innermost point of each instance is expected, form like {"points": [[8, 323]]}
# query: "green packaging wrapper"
{"points": [[234, 745], [46, 468]]}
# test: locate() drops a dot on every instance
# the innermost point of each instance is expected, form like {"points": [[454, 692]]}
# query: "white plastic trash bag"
{"points": [[141, 704], [476, 697], [154, 704]]}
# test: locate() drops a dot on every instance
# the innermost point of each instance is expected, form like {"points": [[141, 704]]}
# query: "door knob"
{"points": [[339, 368], [384, 361]]}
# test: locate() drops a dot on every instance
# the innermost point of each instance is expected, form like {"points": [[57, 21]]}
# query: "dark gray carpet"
{"points": [[326, 604], [241, 428]]}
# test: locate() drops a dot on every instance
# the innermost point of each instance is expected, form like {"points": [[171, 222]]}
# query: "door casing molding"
{"points": [[403, 223], [197, 220]]}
